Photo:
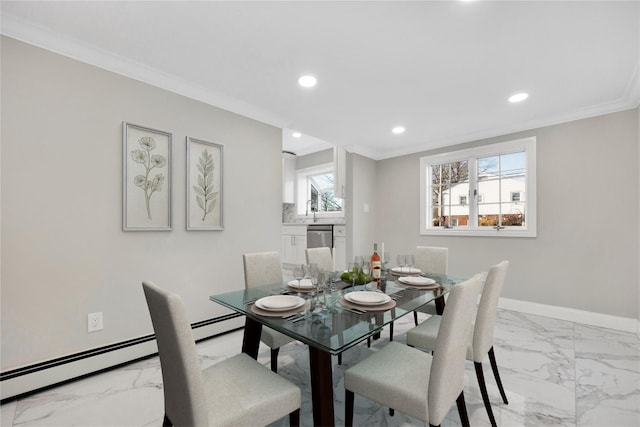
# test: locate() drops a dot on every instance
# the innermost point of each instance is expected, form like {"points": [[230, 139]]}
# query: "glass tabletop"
{"points": [[330, 323]]}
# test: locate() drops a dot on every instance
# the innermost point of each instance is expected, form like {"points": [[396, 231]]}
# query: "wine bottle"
{"points": [[376, 265]]}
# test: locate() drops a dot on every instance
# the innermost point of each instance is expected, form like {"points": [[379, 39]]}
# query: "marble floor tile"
{"points": [[607, 377], [555, 373]]}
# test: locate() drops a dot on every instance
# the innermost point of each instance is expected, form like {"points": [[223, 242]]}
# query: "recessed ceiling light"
{"points": [[518, 97], [307, 81], [397, 130], [296, 134]]}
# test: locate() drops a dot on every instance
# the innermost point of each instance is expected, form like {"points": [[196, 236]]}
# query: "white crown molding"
{"points": [[73, 48], [601, 320], [21, 30], [629, 101]]}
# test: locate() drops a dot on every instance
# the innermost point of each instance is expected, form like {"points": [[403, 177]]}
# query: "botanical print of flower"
{"points": [[205, 197], [150, 162]]}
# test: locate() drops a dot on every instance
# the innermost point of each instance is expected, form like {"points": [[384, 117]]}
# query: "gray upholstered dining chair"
{"points": [[414, 382], [322, 257], [265, 268], [235, 391], [430, 259], [480, 344]]}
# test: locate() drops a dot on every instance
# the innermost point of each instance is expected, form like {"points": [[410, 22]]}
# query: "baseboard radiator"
{"points": [[28, 379]]}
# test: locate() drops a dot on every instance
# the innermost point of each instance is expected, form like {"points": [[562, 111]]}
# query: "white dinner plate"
{"points": [[280, 302], [416, 280], [304, 284], [367, 298], [406, 270]]}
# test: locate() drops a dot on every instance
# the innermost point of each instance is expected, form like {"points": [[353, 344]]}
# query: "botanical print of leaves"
{"points": [[150, 162], [205, 196]]}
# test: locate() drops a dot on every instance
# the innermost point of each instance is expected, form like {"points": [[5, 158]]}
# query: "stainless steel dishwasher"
{"points": [[320, 235]]}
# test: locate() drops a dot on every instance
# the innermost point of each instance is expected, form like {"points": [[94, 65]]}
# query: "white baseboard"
{"points": [[37, 379], [608, 321], [45, 377]]}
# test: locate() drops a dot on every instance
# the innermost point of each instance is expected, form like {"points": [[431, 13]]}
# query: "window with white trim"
{"points": [[483, 191], [316, 192]]}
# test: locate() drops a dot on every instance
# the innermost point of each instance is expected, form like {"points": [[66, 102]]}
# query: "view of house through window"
{"points": [[316, 191], [487, 188], [321, 193]]}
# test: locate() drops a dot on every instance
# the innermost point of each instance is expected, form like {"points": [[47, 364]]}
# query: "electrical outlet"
{"points": [[94, 322]]}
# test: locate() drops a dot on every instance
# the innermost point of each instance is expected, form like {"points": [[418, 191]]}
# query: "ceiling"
{"points": [[441, 69]]}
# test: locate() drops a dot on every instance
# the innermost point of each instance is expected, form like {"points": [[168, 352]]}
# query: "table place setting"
{"points": [[303, 285], [365, 301], [418, 282], [401, 271], [280, 306]]}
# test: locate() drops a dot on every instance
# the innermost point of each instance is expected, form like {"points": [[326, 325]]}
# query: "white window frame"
{"points": [[472, 154], [302, 191]]}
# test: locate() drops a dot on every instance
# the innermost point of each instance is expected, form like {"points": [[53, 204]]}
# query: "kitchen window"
{"points": [[483, 191], [316, 192]]}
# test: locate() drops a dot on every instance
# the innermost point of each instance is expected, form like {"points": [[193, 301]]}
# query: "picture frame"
{"points": [[146, 179], [204, 185]]}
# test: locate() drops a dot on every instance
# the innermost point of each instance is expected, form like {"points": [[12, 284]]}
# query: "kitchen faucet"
{"points": [[312, 210]]}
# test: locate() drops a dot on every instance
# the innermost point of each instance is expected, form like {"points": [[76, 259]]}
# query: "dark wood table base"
{"points": [[321, 371]]}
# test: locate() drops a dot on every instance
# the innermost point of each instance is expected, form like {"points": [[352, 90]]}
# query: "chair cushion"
{"points": [[428, 308], [400, 382], [242, 392], [424, 336], [273, 338]]}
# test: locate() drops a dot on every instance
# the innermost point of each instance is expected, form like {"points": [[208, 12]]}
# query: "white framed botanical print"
{"points": [[146, 168], [204, 185]]}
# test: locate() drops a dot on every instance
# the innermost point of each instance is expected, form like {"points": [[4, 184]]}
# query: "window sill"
{"points": [[478, 233]]}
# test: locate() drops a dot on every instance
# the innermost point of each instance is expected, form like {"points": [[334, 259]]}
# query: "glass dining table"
{"points": [[330, 324]]}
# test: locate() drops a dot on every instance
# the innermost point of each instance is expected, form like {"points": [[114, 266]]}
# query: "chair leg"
{"points": [[462, 410], [369, 342], [348, 407], [274, 359], [339, 358], [494, 367], [166, 422], [294, 418], [483, 391], [391, 331], [415, 318]]}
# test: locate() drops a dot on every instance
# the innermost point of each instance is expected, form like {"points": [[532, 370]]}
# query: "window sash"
{"points": [[306, 187], [511, 213]]}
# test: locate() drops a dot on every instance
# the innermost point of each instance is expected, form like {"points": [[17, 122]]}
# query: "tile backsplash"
{"points": [[288, 212]]}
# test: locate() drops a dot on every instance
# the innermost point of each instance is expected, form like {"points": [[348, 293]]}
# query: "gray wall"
{"points": [[586, 253], [64, 253], [361, 229]]}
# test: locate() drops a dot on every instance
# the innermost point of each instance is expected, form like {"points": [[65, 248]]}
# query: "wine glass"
{"points": [[359, 261], [401, 260], [387, 260], [322, 287], [298, 273], [353, 273], [409, 261], [366, 270], [312, 270]]}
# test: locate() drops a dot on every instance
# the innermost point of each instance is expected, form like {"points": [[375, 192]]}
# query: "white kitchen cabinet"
{"points": [[294, 242], [340, 247]]}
